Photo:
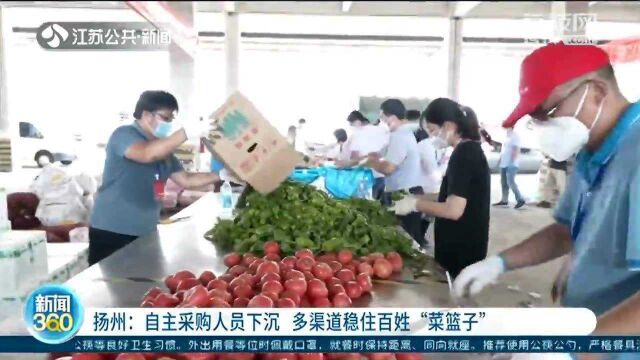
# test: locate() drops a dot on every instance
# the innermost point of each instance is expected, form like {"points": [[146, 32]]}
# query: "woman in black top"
{"points": [[462, 208]]}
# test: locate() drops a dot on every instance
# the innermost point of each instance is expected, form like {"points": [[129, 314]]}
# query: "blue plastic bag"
{"points": [[306, 176], [344, 183]]}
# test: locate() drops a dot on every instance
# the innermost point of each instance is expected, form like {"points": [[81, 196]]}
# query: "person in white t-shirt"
{"points": [[365, 139], [338, 151]]}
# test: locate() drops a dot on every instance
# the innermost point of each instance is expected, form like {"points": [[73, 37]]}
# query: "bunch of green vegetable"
{"points": [[299, 216]]}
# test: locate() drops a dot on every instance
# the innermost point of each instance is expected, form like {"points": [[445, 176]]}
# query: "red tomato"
{"points": [[253, 268], [286, 303], [197, 296], [376, 255], [267, 267], [333, 281], [298, 286], [336, 289], [380, 356], [260, 301], [294, 274], [240, 303], [171, 282], [317, 289], [288, 263], [280, 356], [148, 303], [166, 300], [365, 283], [217, 284], [345, 256], [197, 356], [365, 268], [226, 278], [271, 247], [305, 263], [322, 271], [220, 294], [232, 259], [219, 303], [308, 275], [248, 259], [322, 303], [243, 291], [364, 259], [305, 303], [335, 266], [237, 356], [273, 286], [272, 257], [350, 356], [310, 356], [186, 284], [237, 270], [152, 293], [86, 356], [408, 356], [270, 277], [271, 295], [237, 282], [353, 289], [289, 294], [396, 261], [382, 268], [180, 295], [327, 258], [345, 275], [130, 356], [305, 253], [184, 274], [206, 277], [342, 300]]}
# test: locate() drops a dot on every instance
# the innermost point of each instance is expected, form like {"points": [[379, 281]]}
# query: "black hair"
{"points": [[443, 109], [154, 100], [341, 135], [468, 127], [302, 121], [393, 107], [421, 134], [356, 115], [413, 115], [292, 128], [440, 110]]}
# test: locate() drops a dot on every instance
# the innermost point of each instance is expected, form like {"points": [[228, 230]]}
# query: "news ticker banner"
{"points": [[57, 321]]}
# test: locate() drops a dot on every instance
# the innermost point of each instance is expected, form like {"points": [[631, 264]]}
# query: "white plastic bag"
{"points": [[61, 198], [79, 235]]}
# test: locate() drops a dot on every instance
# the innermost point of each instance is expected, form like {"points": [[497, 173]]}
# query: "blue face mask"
{"points": [[163, 129]]}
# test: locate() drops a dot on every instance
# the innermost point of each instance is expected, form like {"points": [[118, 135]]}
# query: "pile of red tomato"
{"points": [[303, 280]]}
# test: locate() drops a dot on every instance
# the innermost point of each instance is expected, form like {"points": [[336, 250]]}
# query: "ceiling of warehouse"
{"points": [[616, 11]]}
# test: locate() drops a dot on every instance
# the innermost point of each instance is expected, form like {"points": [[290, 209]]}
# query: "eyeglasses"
{"points": [[164, 117], [543, 114]]}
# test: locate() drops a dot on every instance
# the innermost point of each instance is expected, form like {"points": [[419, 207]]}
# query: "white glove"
{"points": [[405, 206], [476, 276], [196, 129]]}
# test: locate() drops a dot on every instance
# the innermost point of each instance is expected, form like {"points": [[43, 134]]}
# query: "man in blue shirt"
{"points": [[138, 163], [401, 164], [572, 92]]}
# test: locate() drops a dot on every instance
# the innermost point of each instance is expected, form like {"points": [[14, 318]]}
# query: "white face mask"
{"points": [[438, 139], [562, 137]]}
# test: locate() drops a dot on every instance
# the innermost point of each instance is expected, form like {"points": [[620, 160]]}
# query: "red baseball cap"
{"points": [[549, 66]]}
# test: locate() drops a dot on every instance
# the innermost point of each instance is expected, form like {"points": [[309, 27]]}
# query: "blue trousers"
{"points": [[508, 179]]}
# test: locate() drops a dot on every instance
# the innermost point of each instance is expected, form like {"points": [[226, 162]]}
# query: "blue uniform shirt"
{"points": [[602, 206], [404, 154], [125, 203]]}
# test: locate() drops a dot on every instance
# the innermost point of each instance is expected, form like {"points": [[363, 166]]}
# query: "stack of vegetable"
{"points": [[299, 216]]}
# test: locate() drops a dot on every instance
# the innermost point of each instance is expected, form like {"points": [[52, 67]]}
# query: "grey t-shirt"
{"points": [[125, 203], [403, 152]]}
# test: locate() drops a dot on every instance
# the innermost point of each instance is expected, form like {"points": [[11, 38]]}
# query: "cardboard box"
{"points": [[250, 146]]}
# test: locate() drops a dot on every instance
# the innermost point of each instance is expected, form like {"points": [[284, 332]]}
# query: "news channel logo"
{"points": [[53, 314], [568, 28]]}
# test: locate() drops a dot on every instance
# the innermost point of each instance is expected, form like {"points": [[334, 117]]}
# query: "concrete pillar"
{"points": [[4, 119], [454, 54], [232, 51]]}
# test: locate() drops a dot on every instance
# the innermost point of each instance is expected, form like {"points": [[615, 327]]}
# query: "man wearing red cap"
{"points": [[572, 93]]}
